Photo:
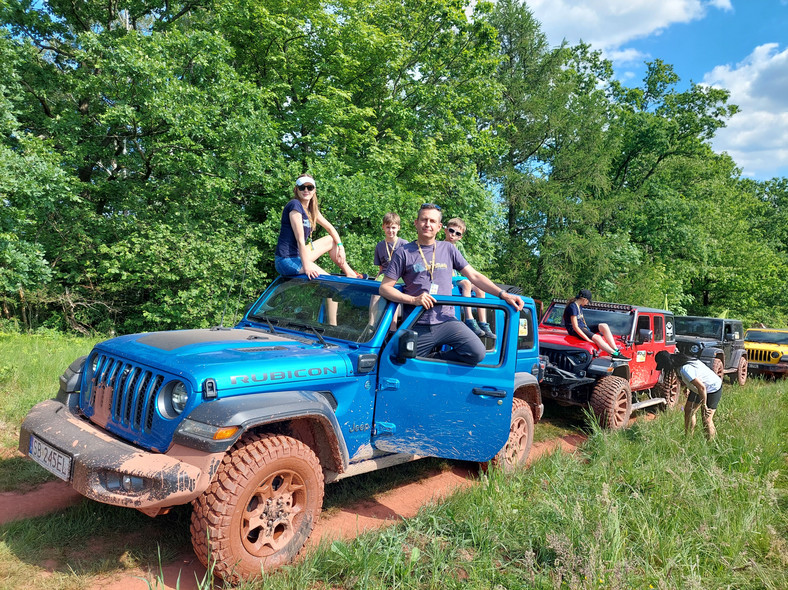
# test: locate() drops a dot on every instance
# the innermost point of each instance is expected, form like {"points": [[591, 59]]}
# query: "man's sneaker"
{"points": [[485, 327], [475, 327], [619, 357]]}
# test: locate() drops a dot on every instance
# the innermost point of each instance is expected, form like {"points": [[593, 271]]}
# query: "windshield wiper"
{"points": [[312, 329], [267, 320]]}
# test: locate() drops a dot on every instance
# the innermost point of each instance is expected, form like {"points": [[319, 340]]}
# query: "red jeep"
{"points": [[578, 373]]}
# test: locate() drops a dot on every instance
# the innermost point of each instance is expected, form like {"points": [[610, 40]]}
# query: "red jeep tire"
{"points": [[260, 508], [669, 388], [611, 402], [718, 368], [514, 453]]}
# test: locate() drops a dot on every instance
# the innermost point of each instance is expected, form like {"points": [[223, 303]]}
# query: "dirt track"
{"points": [[382, 510]]}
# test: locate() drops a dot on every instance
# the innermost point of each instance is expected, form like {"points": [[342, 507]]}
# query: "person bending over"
{"points": [[704, 384]]}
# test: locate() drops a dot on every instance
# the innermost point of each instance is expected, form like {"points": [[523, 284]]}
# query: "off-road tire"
{"points": [[669, 388], [260, 508], [514, 453], [718, 367], [611, 402], [740, 375]]}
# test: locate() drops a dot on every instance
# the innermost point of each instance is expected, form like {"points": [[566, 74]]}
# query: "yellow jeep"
{"points": [[767, 351]]}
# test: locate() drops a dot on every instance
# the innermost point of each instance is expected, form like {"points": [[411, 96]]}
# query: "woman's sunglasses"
{"points": [[306, 187]]}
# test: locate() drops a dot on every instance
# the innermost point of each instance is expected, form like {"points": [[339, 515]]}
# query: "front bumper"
{"points": [[101, 463], [767, 368]]}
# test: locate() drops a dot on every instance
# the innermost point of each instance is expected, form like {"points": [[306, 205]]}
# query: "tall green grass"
{"points": [[30, 367]]}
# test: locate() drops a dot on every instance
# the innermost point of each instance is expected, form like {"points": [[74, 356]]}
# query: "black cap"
{"points": [[585, 294], [663, 360]]}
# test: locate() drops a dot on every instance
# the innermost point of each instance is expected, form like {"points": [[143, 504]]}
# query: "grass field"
{"points": [[647, 507]]}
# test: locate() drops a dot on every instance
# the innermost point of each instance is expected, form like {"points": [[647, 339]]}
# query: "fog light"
{"points": [[123, 483]]}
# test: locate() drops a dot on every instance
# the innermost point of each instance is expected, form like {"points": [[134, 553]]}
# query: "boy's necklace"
{"points": [[393, 247]]}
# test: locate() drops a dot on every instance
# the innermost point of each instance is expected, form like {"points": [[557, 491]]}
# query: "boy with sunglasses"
{"points": [[455, 229], [425, 266]]}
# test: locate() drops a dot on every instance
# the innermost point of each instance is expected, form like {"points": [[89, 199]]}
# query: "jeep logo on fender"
{"points": [[283, 375]]}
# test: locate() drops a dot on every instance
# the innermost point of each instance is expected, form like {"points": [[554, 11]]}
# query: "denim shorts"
{"points": [[288, 266]]}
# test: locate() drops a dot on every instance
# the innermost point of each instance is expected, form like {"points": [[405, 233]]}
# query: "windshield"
{"points": [[620, 322], [766, 337], [700, 327], [321, 309]]}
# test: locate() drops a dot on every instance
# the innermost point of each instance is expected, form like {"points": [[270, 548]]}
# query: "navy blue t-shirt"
{"points": [[286, 245], [574, 309]]}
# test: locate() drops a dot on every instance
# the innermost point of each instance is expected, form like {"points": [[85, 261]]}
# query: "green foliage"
{"points": [[148, 149]]}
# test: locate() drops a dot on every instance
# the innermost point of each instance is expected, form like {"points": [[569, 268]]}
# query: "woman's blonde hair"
{"points": [[312, 209]]}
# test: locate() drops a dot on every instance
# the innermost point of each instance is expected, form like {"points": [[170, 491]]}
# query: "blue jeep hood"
{"points": [[234, 358]]}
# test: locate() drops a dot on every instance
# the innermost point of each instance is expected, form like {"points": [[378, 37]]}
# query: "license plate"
{"points": [[50, 458]]}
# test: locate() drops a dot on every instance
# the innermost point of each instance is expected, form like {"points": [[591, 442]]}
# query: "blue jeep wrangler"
{"points": [[314, 384]]}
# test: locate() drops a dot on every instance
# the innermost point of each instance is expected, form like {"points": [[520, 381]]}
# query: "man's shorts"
{"points": [[288, 267], [712, 398]]}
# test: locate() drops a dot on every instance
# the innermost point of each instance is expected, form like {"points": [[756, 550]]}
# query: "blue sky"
{"points": [[741, 45]]}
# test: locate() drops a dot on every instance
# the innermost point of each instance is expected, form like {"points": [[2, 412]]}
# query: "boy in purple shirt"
{"points": [[426, 267]]}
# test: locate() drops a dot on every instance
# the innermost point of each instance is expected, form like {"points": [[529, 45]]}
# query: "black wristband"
{"points": [[500, 294]]}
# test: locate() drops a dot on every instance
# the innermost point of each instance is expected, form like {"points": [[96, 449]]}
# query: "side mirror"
{"points": [[644, 335], [729, 337], [406, 348]]}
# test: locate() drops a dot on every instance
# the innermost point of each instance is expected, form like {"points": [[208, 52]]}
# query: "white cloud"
{"points": [[757, 137], [609, 24]]}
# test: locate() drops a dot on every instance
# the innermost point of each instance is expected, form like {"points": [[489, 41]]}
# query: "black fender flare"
{"points": [[526, 387], [258, 409], [709, 353], [737, 354]]}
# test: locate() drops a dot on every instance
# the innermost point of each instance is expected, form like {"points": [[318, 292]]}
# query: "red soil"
{"points": [[382, 510]]}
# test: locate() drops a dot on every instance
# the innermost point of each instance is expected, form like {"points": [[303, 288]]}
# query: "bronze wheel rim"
{"points": [[273, 513]]}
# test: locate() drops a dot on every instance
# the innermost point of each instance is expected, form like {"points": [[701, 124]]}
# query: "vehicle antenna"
{"points": [[232, 284], [241, 286]]}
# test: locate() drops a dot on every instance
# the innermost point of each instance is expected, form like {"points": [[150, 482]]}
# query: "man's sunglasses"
{"points": [[306, 187], [454, 232], [429, 206]]}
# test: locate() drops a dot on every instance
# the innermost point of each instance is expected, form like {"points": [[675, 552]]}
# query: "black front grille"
{"points": [[572, 361], [761, 356], [133, 391]]}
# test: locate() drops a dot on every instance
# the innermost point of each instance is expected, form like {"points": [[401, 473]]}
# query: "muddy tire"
{"points": [[611, 402], [260, 508], [514, 453], [670, 389], [718, 368], [740, 376]]}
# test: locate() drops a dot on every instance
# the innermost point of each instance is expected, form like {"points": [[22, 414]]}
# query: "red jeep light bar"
{"points": [[602, 305]]}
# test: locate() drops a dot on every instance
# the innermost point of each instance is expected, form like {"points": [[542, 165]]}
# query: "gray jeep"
{"points": [[718, 342]]}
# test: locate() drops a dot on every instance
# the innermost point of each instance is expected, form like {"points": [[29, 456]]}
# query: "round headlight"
{"points": [[694, 349], [173, 399], [179, 396], [93, 363], [775, 354]]}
